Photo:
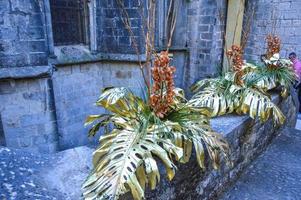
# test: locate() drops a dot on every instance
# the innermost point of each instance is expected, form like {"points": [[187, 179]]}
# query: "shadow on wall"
{"points": [[2, 137]]}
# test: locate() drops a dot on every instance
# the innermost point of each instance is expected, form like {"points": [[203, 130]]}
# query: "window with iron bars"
{"points": [[70, 22]]}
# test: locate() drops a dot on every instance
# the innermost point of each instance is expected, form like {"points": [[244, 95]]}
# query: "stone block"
{"points": [[38, 59], [25, 142], [7, 87]]}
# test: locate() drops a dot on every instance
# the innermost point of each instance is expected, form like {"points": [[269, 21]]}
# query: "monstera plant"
{"points": [[231, 93], [275, 72], [164, 129]]}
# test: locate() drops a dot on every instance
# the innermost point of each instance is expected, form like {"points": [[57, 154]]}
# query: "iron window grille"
{"points": [[70, 22]]}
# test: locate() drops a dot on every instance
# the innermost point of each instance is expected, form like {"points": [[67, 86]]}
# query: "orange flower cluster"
{"points": [[236, 56], [274, 44], [163, 86]]}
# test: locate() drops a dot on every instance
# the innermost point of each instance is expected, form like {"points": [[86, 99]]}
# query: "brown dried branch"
{"points": [[127, 23], [172, 20]]}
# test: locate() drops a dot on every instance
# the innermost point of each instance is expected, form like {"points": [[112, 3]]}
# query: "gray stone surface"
{"points": [[22, 35], [205, 27], [28, 114], [76, 89], [275, 175], [26, 40], [112, 34], [60, 175], [25, 72], [37, 176], [281, 17], [247, 138]]}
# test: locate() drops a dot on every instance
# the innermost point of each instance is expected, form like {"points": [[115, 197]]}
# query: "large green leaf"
{"points": [[216, 100], [216, 94]]}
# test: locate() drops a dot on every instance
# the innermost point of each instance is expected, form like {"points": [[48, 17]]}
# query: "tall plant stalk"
{"points": [[149, 34], [126, 21]]}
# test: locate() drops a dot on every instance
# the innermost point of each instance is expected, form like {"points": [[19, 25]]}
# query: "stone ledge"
{"points": [[75, 54], [25, 72], [248, 138]]}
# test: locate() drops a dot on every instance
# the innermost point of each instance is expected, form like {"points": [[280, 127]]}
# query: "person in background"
{"points": [[297, 67], [296, 64]]}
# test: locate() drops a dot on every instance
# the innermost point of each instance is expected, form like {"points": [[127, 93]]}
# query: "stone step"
{"points": [[275, 175]]}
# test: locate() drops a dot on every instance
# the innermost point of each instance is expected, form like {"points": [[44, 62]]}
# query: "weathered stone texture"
{"points": [[60, 175], [247, 139], [206, 25], [28, 114], [22, 35], [27, 175], [76, 89], [113, 36], [26, 38], [279, 17], [274, 175]]}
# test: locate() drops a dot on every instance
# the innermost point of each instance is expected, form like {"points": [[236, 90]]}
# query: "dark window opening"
{"points": [[2, 137], [70, 22]]}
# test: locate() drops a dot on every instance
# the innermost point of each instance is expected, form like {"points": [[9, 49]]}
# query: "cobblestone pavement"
{"points": [[18, 176], [275, 175], [59, 176]]}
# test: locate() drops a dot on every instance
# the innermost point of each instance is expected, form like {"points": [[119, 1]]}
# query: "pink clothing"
{"points": [[297, 67]]}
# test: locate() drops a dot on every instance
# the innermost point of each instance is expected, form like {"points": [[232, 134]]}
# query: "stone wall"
{"points": [[22, 33], [206, 25], [28, 114], [63, 177], [76, 89], [281, 17], [42, 118], [113, 36], [247, 139]]}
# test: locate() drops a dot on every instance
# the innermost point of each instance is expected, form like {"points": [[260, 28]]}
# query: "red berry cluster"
{"points": [[163, 86], [236, 56], [274, 45]]}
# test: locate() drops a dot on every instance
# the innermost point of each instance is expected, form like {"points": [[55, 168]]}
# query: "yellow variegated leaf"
{"points": [[257, 104], [125, 163]]}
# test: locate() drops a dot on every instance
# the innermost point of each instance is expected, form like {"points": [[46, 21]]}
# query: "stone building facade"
{"points": [[56, 55], [281, 17]]}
